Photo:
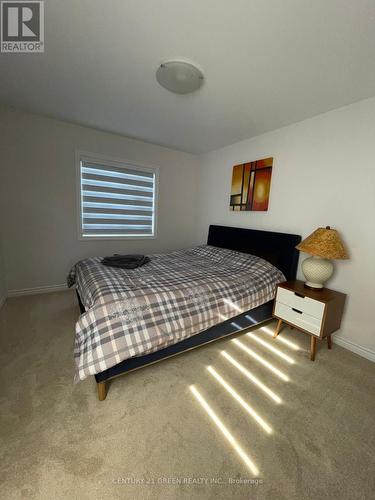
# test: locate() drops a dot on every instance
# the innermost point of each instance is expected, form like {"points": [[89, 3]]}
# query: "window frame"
{"points": [[119, 163]]}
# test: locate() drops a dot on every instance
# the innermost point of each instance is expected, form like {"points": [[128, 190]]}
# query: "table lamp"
{"points": [[323, 244]]}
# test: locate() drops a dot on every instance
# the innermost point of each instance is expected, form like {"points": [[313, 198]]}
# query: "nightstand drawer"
{"points": [[305, 304], [300, 319]]}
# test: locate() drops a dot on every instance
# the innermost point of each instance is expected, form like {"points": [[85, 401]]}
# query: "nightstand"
{"points": [[316, 312]]}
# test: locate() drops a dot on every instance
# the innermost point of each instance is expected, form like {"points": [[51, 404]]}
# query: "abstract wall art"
{"points": [[251, 183]]}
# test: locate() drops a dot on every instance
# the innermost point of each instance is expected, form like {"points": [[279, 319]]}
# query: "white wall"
{"points": [[323, 174], [38, 196]]}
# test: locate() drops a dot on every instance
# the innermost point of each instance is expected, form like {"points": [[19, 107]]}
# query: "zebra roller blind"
{"points": [[116, 200]]}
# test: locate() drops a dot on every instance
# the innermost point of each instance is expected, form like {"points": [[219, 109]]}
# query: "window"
{"points": [[116, 199]]}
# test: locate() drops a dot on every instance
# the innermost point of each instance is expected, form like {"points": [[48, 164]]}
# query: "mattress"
{"points": [[132, 312]]}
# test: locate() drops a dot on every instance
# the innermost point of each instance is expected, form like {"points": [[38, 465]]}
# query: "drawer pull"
{"points": [[299, 295], [296, 310]]}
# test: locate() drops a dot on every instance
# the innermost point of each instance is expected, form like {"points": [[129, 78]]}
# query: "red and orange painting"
{"points": [[251, 183]]}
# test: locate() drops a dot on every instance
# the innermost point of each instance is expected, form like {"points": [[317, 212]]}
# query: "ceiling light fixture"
{"points": [[179, 77]]}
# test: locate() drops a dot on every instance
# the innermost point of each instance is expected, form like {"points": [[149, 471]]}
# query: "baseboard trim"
{"points": [[37, 290], [352, 346]]}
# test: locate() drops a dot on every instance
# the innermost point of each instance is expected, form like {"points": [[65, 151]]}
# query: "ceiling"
{"points": [[267, 63]]}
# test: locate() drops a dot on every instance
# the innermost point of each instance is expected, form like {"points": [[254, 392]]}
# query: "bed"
{"points": [[178, 301]]}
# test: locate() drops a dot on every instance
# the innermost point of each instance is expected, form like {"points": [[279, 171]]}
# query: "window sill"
{"points": [[98, 238]]}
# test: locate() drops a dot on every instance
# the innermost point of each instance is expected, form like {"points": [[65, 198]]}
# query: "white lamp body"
{"points": [[317, 271]]}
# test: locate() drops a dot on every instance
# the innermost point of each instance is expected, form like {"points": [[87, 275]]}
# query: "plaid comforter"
{"points": [[176, 295]]}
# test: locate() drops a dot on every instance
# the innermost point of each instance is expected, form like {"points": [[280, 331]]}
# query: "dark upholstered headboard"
{"points": [[277, 248]]}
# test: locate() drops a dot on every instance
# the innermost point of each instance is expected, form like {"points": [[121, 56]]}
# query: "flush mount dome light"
{"points": [[179, 77]]}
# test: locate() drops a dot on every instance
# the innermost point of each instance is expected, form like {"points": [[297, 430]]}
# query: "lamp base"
{"points": [[311, 287], [317, 271]]}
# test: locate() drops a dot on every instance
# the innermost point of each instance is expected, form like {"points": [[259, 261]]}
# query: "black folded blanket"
{"points": [[126, 261]]}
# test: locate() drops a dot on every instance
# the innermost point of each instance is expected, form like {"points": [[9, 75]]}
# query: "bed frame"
{"points": [[277, 248]]}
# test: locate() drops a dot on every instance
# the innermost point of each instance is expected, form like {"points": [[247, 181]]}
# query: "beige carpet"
{"points": [[59, 441]]}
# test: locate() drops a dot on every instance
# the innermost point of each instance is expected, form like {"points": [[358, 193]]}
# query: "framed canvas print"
{"points": [[251, 183]]}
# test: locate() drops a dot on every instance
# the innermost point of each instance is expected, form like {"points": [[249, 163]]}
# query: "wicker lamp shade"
{"points": [[325, 243]]}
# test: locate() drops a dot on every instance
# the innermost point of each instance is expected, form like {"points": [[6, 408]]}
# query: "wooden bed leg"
{"points": [[277, 331], [102, 390]]}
